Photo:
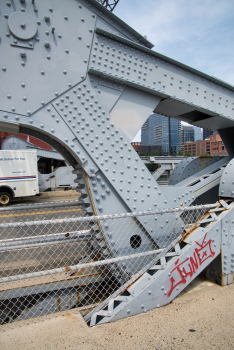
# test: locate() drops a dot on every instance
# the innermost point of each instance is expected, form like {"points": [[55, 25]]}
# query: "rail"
{"points": [[64, 260]]}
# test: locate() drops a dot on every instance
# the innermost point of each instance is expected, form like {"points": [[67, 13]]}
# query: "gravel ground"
{"points": [[200, 318]]}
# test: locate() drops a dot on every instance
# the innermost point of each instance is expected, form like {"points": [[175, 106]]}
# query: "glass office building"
{"points": [[174, 136], [207, 133], [198, 133], [187, 134], [161, 133]]}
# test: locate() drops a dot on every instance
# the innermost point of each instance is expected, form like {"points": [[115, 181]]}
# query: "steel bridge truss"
{"points": [[110, 5], [80, 79]]}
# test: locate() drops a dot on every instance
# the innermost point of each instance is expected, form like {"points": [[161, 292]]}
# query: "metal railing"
{"points": [[54, 258]]}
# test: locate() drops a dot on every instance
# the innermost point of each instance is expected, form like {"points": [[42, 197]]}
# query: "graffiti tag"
{"points": [[188, 267]]}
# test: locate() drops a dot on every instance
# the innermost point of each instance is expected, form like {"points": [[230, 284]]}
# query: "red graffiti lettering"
{"points": [[188, 267]]}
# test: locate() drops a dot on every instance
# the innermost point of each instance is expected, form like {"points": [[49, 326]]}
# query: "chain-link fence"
{"points": [[53, 257]]}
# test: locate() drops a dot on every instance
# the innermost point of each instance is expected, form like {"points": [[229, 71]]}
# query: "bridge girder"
{"points": [[77, 77]]}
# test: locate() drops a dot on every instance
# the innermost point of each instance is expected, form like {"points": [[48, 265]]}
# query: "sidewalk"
{"points": [[200, 318]]}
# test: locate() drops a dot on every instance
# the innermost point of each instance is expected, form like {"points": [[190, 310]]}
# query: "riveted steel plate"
{"points": [[58, 55], [22, 25], [226, 188]]}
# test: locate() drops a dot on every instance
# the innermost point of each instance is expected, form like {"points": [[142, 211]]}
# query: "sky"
{"points": [[198, 33]]}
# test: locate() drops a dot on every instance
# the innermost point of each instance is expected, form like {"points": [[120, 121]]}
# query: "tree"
{"points": [[152, 167], [144, 154], [155, 153], [188, 154], [180, 153], [204, 155]]}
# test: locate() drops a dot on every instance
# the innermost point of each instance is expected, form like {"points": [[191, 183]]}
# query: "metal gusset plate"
{"points": [[77, 77]]}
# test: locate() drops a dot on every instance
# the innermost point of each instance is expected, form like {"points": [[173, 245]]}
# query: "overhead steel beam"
{"points": [[109, 4]]}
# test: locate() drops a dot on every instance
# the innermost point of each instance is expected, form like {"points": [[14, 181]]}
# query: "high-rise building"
{"points": [[187, 133], [174, 126], [198, 133], [191, 133], [161, 133], [144, 136], [207, 133], [180, 138]]}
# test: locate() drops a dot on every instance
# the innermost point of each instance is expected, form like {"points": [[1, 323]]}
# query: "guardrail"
{"points": [[53, 258]]}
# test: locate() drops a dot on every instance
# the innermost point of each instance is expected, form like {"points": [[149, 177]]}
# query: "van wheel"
{"points": [[5, 198]]}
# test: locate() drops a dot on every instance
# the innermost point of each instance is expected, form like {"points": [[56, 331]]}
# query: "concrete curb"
{"points": [[53, 195]]}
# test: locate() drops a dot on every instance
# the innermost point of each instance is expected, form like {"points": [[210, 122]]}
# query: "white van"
{"points": [[18, 174]]}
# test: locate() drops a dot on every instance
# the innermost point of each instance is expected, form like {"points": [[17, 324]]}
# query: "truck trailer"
{"points": [[18, 175]]}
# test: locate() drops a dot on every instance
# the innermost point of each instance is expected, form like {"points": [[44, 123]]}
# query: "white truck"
{"points": [[18, 175]]}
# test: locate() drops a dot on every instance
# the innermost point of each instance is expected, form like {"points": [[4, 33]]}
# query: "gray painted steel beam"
{"points": [[163, 281], [80, 79]]}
